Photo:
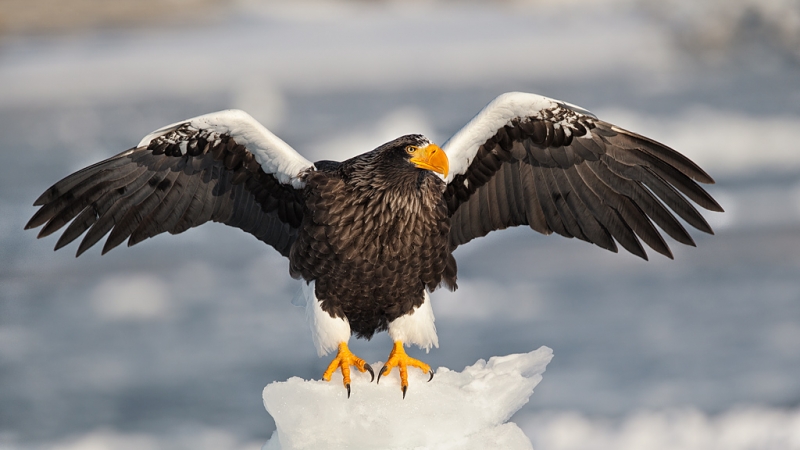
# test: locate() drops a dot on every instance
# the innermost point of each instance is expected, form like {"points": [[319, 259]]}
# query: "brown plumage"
{"points": [[376, 231], [374, 235], [602, 189], [146, 191]]}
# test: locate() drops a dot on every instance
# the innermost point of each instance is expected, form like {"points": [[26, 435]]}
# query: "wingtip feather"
{"points": [[30, 225]]}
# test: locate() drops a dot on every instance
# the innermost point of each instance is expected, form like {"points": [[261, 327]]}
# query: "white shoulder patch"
{"points": [[275, 156], [462, 147]]}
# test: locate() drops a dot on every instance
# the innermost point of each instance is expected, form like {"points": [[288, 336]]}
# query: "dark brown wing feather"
{"points": [[588, 179], [146, 191]]}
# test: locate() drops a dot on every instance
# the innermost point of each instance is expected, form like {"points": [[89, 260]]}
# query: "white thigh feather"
{"points": [[416, 328], [326, 331]]}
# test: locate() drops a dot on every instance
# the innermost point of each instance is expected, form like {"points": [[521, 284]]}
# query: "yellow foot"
{"points": [[398, 358], [344, 359]]}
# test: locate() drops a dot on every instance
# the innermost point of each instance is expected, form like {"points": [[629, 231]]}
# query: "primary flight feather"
{"points": [[373, 235]]}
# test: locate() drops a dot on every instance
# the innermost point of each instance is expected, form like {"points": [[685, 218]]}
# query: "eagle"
{"points": [[373, 235]]}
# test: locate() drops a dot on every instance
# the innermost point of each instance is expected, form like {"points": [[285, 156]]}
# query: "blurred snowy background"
{"points": [[168, 344]]}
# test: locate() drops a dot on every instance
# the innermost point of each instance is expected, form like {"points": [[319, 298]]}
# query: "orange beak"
{"points": [[431, 157]]}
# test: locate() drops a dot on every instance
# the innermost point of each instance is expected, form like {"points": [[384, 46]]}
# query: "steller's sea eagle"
{"points": [[373, 235]]}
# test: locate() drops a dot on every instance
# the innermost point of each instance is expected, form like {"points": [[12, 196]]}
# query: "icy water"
{"points": [[176, 337]]}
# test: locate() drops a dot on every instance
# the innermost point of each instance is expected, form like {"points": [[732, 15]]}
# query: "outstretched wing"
{"points": [[224, 167], [530, 160]]}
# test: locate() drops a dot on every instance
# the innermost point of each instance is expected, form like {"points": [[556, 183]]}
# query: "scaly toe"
{"points": [[343, 360], [398, 358]]}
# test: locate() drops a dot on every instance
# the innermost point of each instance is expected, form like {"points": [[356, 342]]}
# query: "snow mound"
{"points": [[457, 410]]}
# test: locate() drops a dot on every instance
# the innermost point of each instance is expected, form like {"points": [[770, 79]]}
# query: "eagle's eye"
{"points": [[411, 149]]}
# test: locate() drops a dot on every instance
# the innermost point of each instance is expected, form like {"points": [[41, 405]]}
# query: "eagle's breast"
{"points": [[372, 248]]}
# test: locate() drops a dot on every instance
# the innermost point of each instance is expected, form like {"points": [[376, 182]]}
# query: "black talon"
{"points": [[430, 372], [380, 373], [405, 388], [348, 389], [369, 369]]}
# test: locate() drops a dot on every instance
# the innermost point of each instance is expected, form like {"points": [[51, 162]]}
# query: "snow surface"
{"points": [[459, 410]]}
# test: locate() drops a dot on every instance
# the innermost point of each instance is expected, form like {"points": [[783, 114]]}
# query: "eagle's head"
{"points": [[397, 164], [415, 151]]}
